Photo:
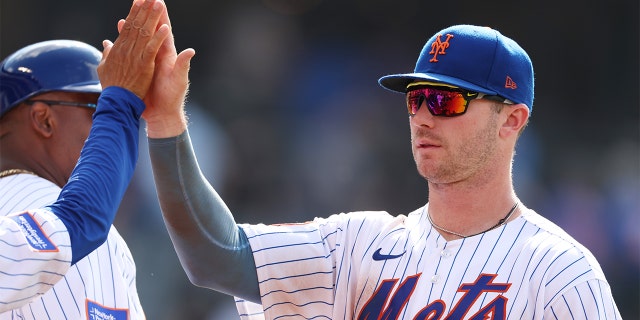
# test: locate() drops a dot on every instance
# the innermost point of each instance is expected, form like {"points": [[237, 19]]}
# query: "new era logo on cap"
{"points": [[478, 59], [510, 84]]}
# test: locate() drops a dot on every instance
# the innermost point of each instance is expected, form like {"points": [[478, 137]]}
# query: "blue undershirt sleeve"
{"points": [[88, 203], [213, 250]]}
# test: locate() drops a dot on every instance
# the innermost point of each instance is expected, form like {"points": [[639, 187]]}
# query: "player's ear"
{"points": [[516, 118], [41, 119]]}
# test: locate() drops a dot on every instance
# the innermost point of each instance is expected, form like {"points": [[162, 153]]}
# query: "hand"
{"points": [[165, 99], [130, 61]]}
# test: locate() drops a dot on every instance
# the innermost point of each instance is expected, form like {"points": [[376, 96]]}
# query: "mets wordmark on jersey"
{"points": [[371, 265]]}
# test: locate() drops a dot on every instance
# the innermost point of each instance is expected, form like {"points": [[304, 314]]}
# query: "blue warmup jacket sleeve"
{"points": [[88, 203], [213, 250]]}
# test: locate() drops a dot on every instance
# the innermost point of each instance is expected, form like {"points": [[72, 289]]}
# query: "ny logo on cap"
{"points": [[439, 47]]}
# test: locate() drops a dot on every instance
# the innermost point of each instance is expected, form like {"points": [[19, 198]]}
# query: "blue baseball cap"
{"points": [[53, 65], [474, 58]]}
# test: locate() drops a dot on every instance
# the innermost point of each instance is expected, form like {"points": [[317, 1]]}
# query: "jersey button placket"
{"points": [[443, 254]]}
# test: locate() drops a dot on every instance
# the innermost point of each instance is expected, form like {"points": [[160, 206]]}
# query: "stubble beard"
{"points": [[460, 161]]}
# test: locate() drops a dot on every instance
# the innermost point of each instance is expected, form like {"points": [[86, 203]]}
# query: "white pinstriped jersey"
{"points": [[100, 286], [371, 265]]}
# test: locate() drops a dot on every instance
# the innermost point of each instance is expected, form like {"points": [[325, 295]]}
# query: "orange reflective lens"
{"points": [[444, 103]]}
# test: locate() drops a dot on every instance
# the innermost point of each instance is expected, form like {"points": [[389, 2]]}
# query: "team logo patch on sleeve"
{"points": [[36, 238], [96, 311]]}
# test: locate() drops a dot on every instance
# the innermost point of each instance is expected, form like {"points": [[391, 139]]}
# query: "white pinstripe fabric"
{"points": [[530, 268], [101, 284]]}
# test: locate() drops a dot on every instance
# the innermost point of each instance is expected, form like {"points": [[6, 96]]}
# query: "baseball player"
{"points": [[474, 251], [55, 262]]}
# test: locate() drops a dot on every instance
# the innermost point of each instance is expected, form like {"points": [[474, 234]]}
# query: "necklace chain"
{"points": [[10, 172], [500, 223]]}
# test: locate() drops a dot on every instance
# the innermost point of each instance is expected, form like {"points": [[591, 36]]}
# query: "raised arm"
{"points": [[126, 68], [212, 249]]}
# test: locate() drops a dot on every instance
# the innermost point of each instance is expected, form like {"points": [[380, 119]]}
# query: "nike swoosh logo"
{"points": [[379, 256]]}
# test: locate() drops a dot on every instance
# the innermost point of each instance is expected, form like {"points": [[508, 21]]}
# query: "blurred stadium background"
{"points": [[289, 122]]}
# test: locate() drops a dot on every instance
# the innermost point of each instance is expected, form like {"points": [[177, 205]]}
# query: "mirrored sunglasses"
{"points": [[443, 101]]}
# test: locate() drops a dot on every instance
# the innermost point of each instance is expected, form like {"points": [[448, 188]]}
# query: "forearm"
{"points": [[212, 249], [98, 182]]}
